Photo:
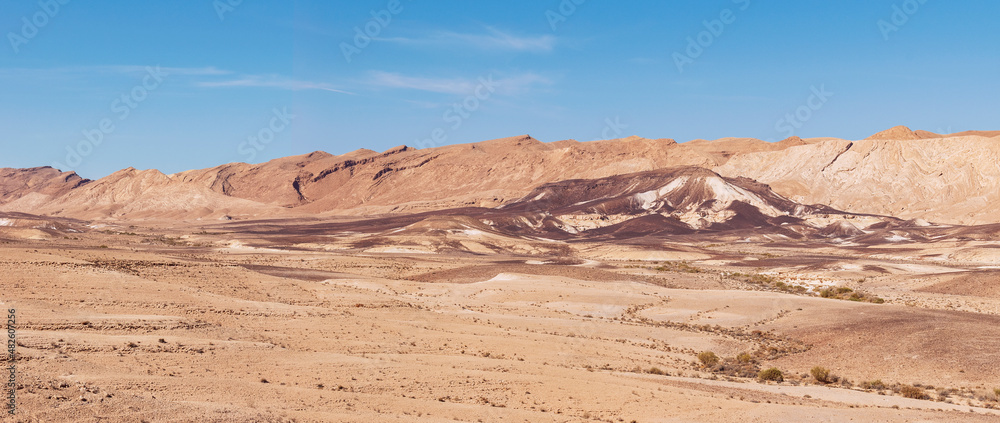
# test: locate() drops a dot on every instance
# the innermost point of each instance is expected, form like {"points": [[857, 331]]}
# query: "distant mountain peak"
{"points": [[896, 133]]}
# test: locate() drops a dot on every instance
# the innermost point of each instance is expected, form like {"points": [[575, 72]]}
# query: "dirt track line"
{"points": [[847, 397]]}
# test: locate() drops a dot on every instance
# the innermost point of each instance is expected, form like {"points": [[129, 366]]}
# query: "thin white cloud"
{"points": [[202, 71], [436, 85], [509, 85], [75, 71], [272, 81], [494, 39], [207, 76]]}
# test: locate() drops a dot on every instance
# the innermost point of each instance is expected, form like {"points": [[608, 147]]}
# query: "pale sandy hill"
{"points": [[791, 141], [138, 194], [42, 181], [896, 133], [928, 134], [987, 134], [947, 180]]}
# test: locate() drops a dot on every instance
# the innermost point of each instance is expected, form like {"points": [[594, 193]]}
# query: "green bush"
{"points": [[821, 374], [772, 374], [708, 358]]}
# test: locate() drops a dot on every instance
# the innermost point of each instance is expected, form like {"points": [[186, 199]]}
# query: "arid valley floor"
{"points": [[515, 280], [254, 321]]}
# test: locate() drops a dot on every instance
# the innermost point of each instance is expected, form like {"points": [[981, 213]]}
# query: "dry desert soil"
{"points": [[512, 280], [161, 321]]}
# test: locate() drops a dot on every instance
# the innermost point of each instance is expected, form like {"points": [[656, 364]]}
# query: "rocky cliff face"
{"points": [[949, 180], [40, 183]]}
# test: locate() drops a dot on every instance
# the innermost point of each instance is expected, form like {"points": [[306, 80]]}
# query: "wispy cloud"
{"points": [[272, 81], [510, 85], [436, 85], [493, 39], [192, 71], [83, 71], [207, 76]]}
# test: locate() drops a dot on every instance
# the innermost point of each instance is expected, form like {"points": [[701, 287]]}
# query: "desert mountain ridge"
{"points": [[899, 172]]}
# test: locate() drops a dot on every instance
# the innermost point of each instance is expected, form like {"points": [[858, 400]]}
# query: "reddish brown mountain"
{"points": [[898, 172], [40, 184]]}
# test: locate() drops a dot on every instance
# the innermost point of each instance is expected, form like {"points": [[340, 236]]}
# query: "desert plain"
{"points": [[636, 294]]}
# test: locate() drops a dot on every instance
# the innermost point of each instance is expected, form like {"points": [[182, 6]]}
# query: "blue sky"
{"points": [[211, 82]]}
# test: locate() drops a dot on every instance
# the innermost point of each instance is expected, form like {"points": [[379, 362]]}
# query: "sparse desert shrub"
{"points": [[682, 267], [996, 391], [762, 279], [744, 357], [733, 367], [873, 384], [708, 358], [655, 371], [845, 293], [765, 281], [821, 374], [772, 374], [914, 392]]}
